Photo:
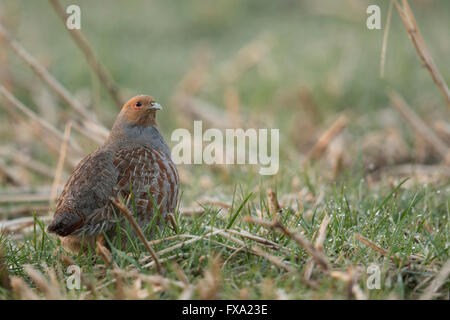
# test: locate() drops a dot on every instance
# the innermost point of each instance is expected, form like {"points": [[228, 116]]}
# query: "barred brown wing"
{"points": [[149, 178], [86, 192]]}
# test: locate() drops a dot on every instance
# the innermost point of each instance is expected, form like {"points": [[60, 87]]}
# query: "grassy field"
{"points": [[377, 193]]}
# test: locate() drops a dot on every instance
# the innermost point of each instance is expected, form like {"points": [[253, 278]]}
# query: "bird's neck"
{"points": [[123, 133]]}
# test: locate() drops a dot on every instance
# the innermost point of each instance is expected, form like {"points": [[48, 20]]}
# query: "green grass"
{"points": [[149, 46], [392, 218]]}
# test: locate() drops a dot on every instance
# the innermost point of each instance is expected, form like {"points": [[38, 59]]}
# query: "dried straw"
{"points": [[416, 37], [276, 225], [420, 126], [95, 64], [327, 137], [60, 164], [128, 215], [441, 277]]}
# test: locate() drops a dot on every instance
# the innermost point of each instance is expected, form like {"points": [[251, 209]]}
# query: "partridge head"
{"points": [[141, 111]]}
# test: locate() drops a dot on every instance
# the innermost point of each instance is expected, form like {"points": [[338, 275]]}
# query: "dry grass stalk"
{"points": [[224, 245], [208, 287], [384, 252], [385, 38], [158, 281], [443, 128], [318, 244], [16, 225], [95, 64], [188, 287], [344, 277], [10, 176], [336, 156], [262, 241], [237, 250], [351, 279], [438, 281], [353, 286], [267, 289], [276, 225], [192, 211], [259, 213], [175, 237], [106, 255], [128, 215], [187, 293], [38, 120], [173, 222], [102, 251], [24, 197], [135, 291], [274, 206], [182, 244], [23, 210], [416, 37], [255, 250], [119, 293], [22, 290], [271, 258], [358, 293], [50, 292], [215, 202], [163, 260], [45, 76], [372, 245], [327, 137], [322, 233], [180, 274], [420, 126], [137, 274], [54, 280], [24, 160], [308, 270], [60, 164], [421, 149]]}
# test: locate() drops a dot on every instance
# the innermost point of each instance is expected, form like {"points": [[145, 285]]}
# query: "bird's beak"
{"points": [[156, 106]]}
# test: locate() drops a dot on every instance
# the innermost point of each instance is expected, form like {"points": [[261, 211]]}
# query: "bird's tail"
{"points": [[65, 223]]}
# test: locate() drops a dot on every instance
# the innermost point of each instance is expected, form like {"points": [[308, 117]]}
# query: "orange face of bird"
{"points": [[141, 110]]}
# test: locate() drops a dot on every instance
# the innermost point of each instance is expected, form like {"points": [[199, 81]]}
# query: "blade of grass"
{"points": [[238, 211]]}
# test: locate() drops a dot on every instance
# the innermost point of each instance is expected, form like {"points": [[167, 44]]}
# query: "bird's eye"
{"points": [[138, 104]]}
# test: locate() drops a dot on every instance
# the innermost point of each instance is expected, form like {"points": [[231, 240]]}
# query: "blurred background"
{"points": [[310, 68]]}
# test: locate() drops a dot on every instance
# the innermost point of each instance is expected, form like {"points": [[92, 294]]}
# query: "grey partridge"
{"points": [[134, 163]]}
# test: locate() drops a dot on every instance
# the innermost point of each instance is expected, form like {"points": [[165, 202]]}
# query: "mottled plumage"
{"points": [[134, 159]]}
